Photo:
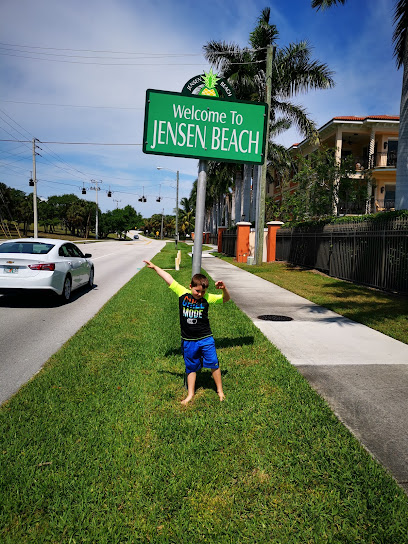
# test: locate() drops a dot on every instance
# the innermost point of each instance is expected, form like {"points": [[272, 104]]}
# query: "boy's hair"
{"points": [[200, 279]]}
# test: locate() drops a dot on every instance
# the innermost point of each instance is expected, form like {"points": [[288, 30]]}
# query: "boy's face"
{"points": [[197, 291]]}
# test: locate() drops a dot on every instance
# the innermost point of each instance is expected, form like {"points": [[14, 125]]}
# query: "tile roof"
{"points": [[354, 118], [380, 117]]}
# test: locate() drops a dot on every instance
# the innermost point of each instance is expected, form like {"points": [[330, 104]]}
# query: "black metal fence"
{"points": [[229, 242], [373, 253]]}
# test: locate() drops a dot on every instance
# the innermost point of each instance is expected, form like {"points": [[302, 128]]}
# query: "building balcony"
{"points": [[384, 205], [385, 159], [378, 160]]}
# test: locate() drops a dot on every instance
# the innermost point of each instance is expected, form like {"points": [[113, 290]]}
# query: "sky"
{"points": [[74, 75]]}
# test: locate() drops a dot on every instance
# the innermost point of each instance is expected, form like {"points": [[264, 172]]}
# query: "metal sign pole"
{"points": [[259, 235], [200, 212]]}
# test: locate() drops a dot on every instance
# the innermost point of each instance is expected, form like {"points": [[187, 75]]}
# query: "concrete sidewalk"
{"points": [[362, 373]]}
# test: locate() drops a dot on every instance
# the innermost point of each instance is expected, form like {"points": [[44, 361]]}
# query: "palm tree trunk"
{"points": [[227, 215], [246, 196], [238, 196], [401, 190], [252, 214]]}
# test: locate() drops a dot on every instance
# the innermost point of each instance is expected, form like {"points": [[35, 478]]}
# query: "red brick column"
{"points": [[273, 227], [220, 231], [243, 230]]}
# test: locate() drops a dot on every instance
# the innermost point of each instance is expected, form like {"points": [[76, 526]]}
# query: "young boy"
{"points": [[197, 341]]}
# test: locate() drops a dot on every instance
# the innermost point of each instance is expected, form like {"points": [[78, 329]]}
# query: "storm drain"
{"points": [[275, 318]]}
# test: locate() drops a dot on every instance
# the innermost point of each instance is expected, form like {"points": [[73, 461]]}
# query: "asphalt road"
{"points": [[34, 328]]}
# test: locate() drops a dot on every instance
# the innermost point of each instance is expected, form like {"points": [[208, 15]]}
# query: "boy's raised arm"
{"points": [[162, 273], [225, 292]]}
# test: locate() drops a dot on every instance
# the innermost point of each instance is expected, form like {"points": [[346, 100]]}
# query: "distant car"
{"points": [[136, 237], [42, 264]]}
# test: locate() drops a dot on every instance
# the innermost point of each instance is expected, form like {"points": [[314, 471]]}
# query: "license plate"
{"points": [[11, 270]]}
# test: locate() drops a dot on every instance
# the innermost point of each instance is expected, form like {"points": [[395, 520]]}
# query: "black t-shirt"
{"points": [[194, 322]]}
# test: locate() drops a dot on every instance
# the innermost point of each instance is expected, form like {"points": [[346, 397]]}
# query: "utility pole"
{"points": [[161, 232], [96, 189], [260, 212], [35, 194], [177, 195], [200, 210]]}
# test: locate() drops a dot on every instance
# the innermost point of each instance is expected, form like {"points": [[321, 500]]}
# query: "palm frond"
{"points": [[400, 38], [221, 54], [295, 72], [297, 115], [323, 4], [264, 33], [279, 126]]}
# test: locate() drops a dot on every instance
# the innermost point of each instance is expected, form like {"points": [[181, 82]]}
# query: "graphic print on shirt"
{"points": [[192, 309], [194, 321]]}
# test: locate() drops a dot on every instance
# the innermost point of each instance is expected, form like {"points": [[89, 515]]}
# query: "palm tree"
{"points": [[400, 40], [186, 214], [293, 72], [187, 205]]}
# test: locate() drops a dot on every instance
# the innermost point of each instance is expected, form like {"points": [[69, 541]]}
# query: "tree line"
{"points": [[75, 215], [78, 216]]}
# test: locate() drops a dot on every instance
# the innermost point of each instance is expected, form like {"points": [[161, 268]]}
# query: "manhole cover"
{"points": [[275, 318]]}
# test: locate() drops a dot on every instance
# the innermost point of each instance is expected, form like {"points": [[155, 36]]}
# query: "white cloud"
{"points": [[354, 40]]}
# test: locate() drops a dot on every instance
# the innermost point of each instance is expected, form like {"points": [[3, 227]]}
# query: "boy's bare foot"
{"points": [[186, 400], [221, 395]]}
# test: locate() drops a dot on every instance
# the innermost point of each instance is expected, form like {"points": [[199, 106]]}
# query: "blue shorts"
{"points": [[199, 353]]}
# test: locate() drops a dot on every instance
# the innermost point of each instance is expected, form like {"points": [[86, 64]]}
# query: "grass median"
{"points": [[97, 448]]}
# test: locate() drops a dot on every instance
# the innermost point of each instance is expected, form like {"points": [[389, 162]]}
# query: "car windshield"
{"points": [[37, 248]]}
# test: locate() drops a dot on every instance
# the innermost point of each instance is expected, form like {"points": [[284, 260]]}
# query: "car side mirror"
{"points": [[88, 255]]}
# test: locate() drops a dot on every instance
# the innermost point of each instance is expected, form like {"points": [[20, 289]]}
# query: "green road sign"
{"points": [[204, 128]]}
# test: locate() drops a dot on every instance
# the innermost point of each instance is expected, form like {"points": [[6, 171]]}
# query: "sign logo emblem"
{"points": [[210, 81]]}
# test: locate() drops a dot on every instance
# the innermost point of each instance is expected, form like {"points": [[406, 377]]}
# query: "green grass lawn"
{"points": [[98, 449], [384, 312]]}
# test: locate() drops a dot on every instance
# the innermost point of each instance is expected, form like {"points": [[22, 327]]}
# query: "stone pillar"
{"points": [[220, 231], [243, 230], [273, 227]]}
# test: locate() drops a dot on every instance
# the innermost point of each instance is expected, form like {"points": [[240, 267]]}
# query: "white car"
{"points": [[42, 264]]}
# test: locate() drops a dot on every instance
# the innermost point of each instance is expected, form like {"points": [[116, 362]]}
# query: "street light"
{"points": [[177, 192], [96, 189]]}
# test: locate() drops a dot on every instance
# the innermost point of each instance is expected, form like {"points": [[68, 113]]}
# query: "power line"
{"points": [[139, 56], [89, 143], [125, 52], [147, 65], [106, 63], [113, 191], [49, 151], [149, 56], [72, 143], [71, 105], [101, 51]]}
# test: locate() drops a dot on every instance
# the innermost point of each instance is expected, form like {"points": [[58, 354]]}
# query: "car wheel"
{"points": [[66, 291], [91, 278]]}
